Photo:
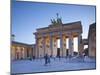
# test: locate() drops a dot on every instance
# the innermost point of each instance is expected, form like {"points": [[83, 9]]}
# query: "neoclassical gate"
{"points": [[46, 38]]}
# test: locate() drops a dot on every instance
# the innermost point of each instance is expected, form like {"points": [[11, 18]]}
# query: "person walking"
{"points": [[49, 59], [46, 59]]}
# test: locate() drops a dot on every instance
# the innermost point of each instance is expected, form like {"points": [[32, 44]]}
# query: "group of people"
{"points": [[47, 59]]}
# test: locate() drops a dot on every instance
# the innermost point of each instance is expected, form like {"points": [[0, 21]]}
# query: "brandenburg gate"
{"points": [[46, 38]]}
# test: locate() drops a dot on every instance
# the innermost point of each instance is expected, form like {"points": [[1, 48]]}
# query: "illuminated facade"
{"points": [[46, 41], [46, 38], [21, 51]]}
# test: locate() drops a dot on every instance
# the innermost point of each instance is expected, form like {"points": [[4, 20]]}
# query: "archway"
{"points": [[75, 45], [58, 47]]}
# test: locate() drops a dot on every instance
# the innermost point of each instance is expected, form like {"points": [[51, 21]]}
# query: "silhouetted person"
{"points": [[33, 57], [40, 57], [83, 56], [69, 57], [46, 59], [59, 57], [29, 58], [54, 58]]}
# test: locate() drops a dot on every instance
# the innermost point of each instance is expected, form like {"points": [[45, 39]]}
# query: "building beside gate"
{"points": [[21, 50], [92, 40]]}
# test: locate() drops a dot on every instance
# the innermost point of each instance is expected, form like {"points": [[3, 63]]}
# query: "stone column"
{"points": [[18, 53], [15, 53], [30, 52], [61, 44], [46, 48], [70, 45], [51, 44], [13, 56], [23, 56], [33, 48], [43, 46], [64, 46], [80, 44], [25, 52], [37, 47], [21, 52], [79, 38], [54, 49]]}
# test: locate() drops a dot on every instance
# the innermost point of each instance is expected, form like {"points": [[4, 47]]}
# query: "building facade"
{"points": [[92, 40], [46, 38], [21, 51], [46, 41]]}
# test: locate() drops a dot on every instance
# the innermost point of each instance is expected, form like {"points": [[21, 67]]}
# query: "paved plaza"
{"points": [[62, 64]]}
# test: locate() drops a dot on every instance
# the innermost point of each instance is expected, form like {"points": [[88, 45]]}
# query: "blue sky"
{"points": [[28, 16]]}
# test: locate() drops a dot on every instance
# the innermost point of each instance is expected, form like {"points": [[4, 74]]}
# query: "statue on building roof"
{"points": [[58, 21]]}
